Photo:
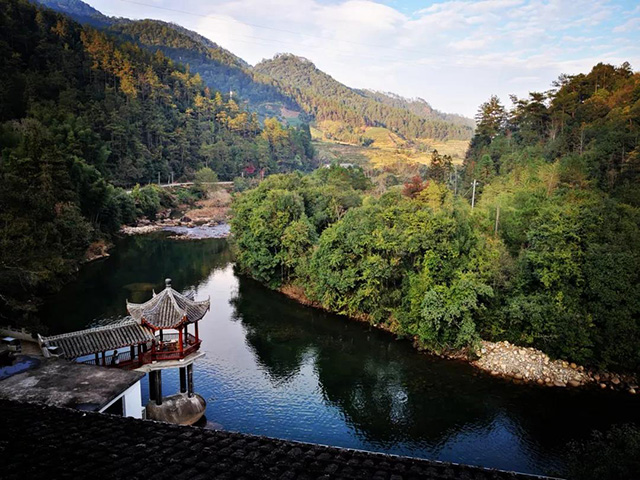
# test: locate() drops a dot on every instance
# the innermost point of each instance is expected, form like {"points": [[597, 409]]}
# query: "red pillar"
{"points": [[197, 335], [180, 340]]}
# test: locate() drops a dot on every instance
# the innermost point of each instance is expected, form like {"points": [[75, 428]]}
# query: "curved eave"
{"points": [[155, 328]]}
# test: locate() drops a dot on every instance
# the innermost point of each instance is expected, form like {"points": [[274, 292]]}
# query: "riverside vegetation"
{"points": [[556, 268]]}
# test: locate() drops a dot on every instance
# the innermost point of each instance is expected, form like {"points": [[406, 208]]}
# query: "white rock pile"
{"points": [[529, 365]]}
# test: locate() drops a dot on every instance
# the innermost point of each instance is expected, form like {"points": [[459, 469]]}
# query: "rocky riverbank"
{"points": [[528, 365], [182, 228], [209, 215], [519, 364]]}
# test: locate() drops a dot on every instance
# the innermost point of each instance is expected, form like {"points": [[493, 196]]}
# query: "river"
{"points": [[276, 368]]}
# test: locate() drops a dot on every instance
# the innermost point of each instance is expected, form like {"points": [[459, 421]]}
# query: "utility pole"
{"points": [[473, 195], [455, 171], [495, 230]]}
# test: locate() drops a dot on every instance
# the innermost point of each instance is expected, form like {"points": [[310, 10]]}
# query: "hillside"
{"points": [[326, 99], [219, 69]]}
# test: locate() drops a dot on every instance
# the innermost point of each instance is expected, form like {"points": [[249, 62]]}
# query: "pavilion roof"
{"points": [[168, 309], [100, 339]]}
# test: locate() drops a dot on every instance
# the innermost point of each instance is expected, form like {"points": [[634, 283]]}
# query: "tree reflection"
{"points": [[138, 265], [385, 391]]}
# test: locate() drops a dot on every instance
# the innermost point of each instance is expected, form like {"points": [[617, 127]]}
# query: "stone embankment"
{"points": [[529, 365]]}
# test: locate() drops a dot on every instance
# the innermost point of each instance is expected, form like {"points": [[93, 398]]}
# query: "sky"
{"points": [[454, 53]]}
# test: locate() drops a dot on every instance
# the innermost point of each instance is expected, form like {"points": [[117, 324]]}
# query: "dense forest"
{"points": [[327, 99], [82, 114], [548, 256]]}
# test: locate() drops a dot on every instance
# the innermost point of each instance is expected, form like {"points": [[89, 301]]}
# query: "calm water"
{"points": [[276, 368]]}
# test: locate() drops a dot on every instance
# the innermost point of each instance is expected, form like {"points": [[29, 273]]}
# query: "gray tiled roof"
{"points": [[54, 443], [100, 339], [168, 309]]}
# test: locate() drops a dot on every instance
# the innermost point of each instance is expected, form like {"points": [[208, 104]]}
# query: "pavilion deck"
{"points": [[166, 348]]}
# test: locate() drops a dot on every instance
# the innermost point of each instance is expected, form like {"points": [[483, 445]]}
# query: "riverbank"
{"points": [[211, 213], [522, 365]]}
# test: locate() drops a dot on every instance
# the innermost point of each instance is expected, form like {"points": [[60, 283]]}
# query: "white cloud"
{"points": [[633, 24]]}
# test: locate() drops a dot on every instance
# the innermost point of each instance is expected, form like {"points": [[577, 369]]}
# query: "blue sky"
{"points": [[453, 53]]}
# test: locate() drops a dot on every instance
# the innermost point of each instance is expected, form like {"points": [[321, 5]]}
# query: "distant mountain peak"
{"points": [[78, 10], [286, 55]]}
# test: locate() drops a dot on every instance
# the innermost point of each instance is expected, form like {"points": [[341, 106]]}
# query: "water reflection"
{"points": [[276, 368], [136, 266]]}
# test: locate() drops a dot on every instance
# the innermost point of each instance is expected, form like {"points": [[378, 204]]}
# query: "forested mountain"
{"points": [[327, 99], [81, 113], [218, 68], [285, 82], [549, 255]]}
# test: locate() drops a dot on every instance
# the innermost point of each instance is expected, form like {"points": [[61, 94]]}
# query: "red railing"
{"points": [[167, 349]]}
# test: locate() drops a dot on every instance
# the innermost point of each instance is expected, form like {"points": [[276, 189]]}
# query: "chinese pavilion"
{"points": [[161, 333]]}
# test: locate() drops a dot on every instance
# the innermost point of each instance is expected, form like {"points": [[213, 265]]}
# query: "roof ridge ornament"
{"points": [[167, 282]]}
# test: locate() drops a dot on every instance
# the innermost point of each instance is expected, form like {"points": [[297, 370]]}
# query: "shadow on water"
{"points": [[276, 368]]}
